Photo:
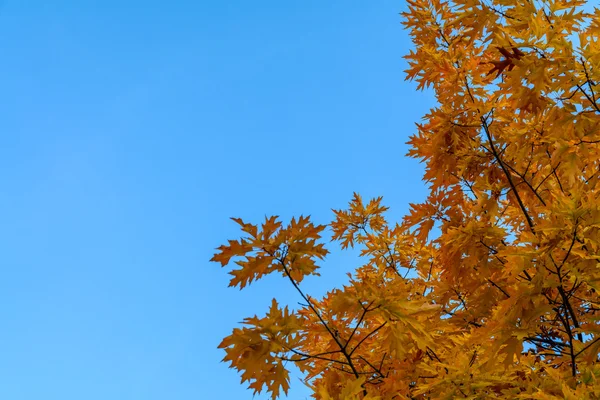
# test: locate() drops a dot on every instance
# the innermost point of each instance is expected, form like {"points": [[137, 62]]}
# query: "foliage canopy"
{"points": [[503, 300]]}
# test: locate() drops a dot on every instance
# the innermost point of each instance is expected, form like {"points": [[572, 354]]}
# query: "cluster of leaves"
{"points": [[503, 301]]}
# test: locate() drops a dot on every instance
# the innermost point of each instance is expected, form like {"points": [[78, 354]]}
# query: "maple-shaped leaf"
{"points": [[353, 224], [507, 62], [256, 350], [290, 250]]}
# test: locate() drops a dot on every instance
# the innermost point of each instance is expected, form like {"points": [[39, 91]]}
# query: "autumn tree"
{"points": [[490, 287]]}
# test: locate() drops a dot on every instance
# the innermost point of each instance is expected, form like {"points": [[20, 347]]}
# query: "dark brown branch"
{"points": [[587, 96], [526, 182], [506, 173], [499, 288], [360, 320], [366, 337], [377, 370], [306, 357], [587, 346], [548, 176], [317, 313]]}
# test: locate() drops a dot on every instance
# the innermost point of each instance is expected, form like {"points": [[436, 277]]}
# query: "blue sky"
{"points": [[132, 130]]}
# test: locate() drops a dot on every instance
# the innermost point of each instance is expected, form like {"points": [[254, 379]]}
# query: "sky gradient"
{"points": [[132, 130]]}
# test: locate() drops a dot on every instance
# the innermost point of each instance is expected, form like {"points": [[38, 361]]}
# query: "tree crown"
{"points": [[502, 300]]}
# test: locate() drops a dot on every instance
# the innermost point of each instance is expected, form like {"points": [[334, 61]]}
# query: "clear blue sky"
{"points": [[132, 130]]}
